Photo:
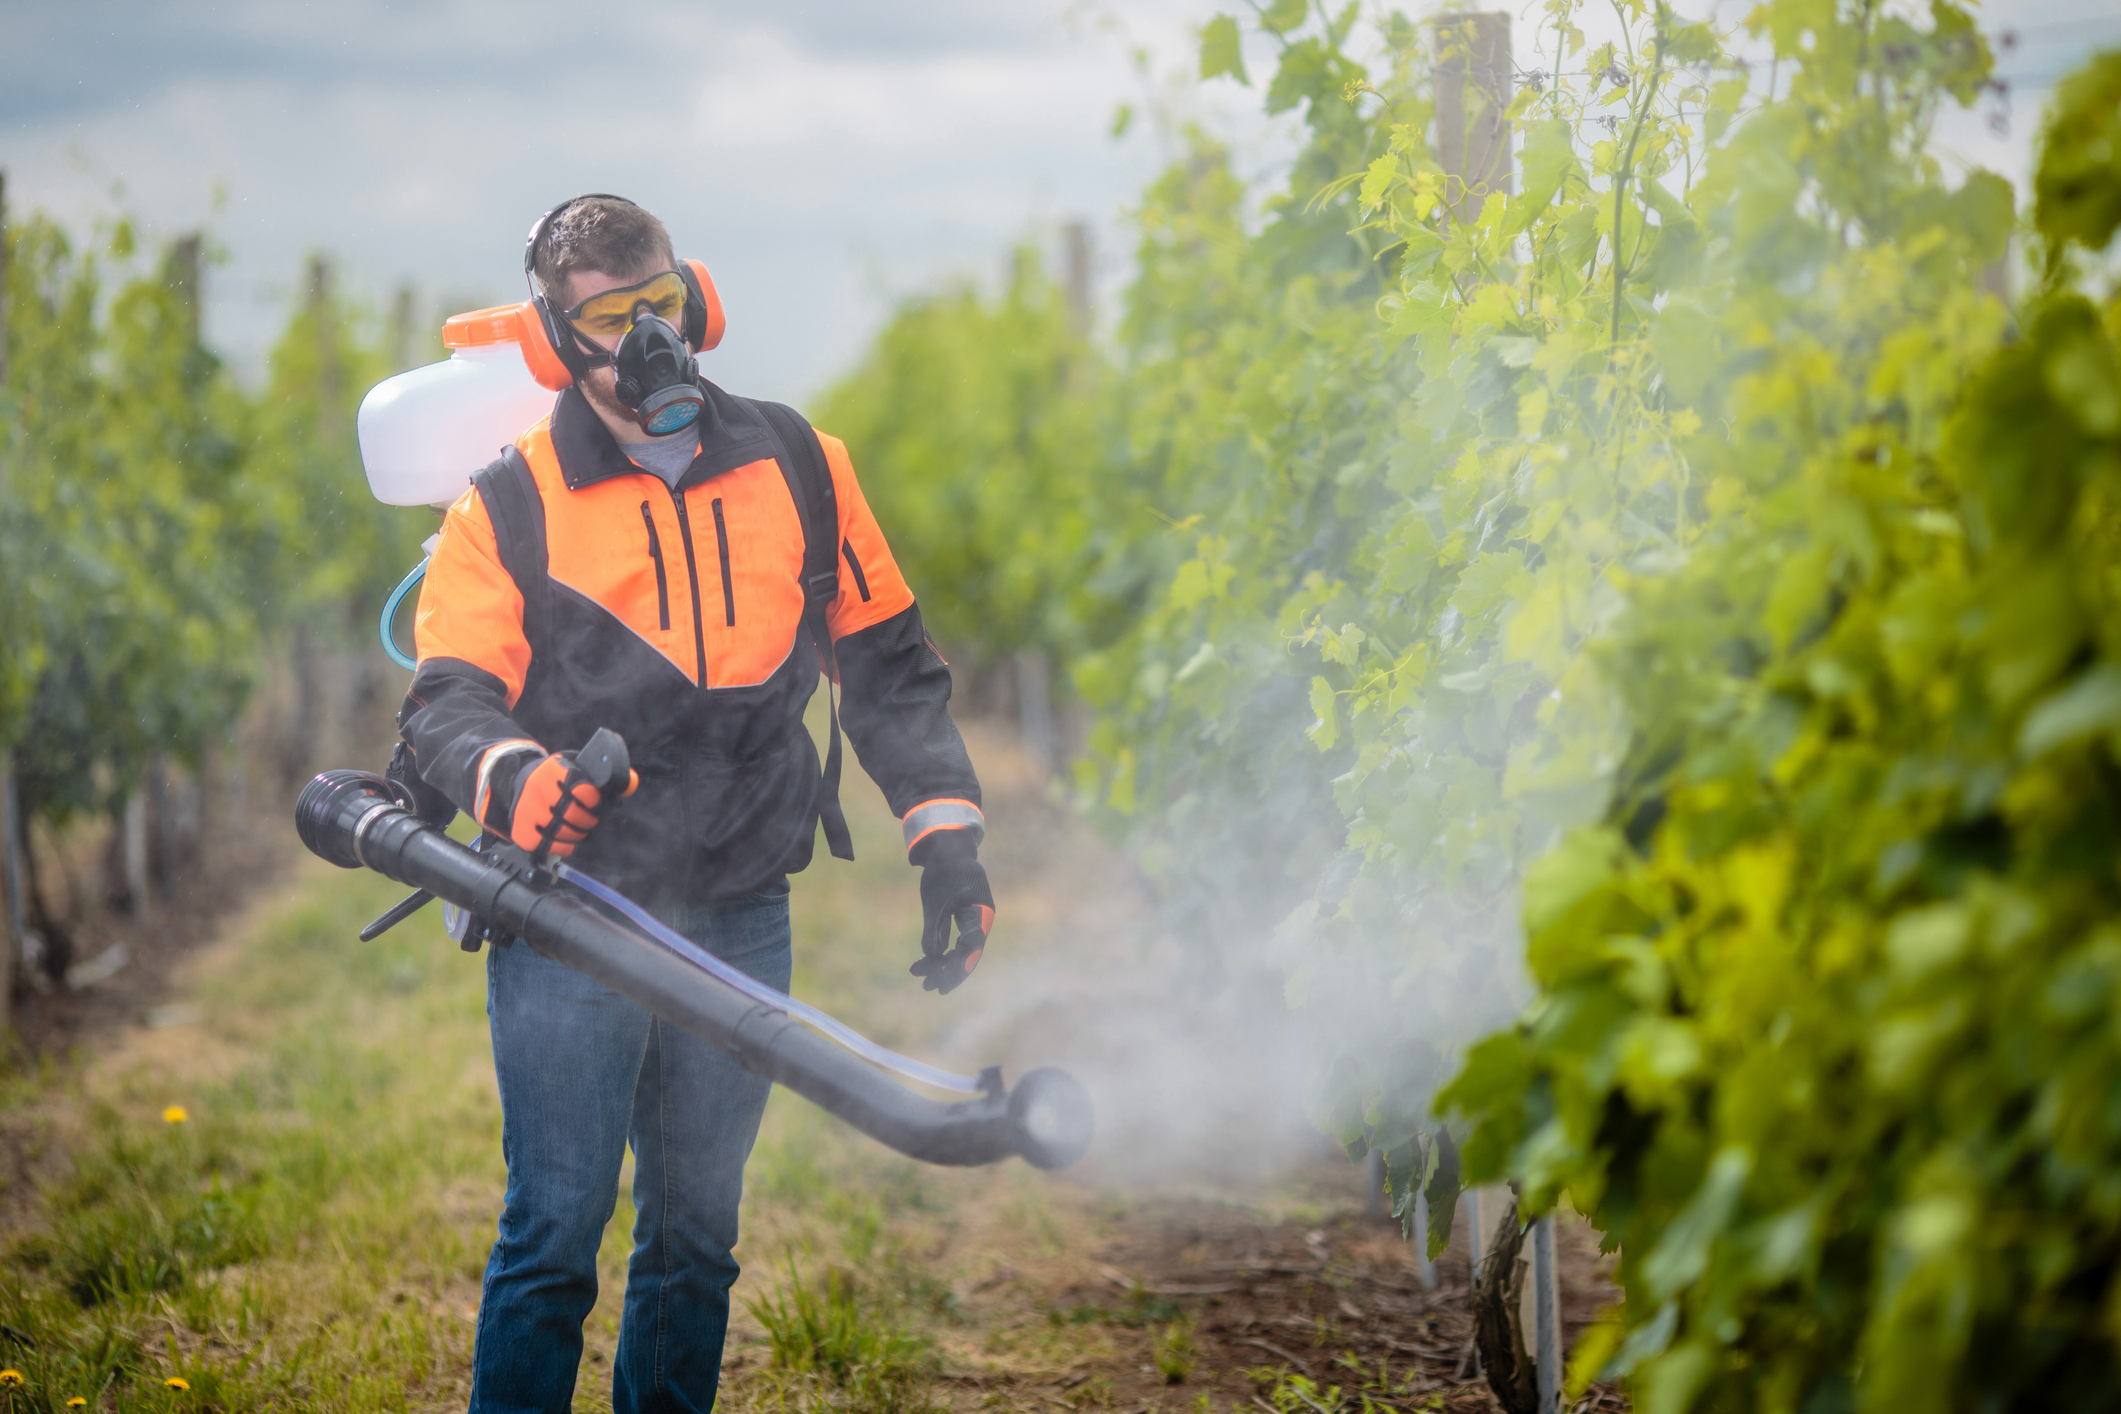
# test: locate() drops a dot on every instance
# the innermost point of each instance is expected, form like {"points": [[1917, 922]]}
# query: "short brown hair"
{"points": [[604, 234]]}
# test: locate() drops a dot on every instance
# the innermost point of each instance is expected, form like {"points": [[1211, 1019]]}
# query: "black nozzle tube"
{"points": [[354, 819]]}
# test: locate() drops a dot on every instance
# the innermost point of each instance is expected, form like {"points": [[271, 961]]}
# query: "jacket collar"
{"points": [[731, 435]]}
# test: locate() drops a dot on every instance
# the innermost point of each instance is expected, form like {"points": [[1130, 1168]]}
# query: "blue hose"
{"points": [[390, 612]]}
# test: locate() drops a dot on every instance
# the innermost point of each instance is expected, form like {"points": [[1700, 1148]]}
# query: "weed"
{"points": [[1176, 1350], [1093, 1393], [1290, 1393], [829, 1336]]}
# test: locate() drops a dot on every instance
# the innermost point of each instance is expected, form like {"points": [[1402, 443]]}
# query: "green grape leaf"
{"points": [[2090, 705], [1222, 50], [2077, 184], [1377, 180], [1325, 707], [1284, 15]]}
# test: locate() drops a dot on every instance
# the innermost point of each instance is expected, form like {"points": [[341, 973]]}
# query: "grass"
{"points": [[842, 1351], [297, 1237]]}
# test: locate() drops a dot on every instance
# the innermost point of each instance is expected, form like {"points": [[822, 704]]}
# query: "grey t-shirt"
{"points": [[668, 456]]}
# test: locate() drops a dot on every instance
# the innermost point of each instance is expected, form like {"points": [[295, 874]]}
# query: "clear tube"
{"points": [[759, 992], [390, 612]]}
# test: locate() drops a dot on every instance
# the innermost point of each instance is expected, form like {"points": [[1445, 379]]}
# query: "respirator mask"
{"points": [[658, 379]]}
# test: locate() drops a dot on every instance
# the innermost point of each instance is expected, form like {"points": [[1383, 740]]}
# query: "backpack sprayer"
{"points": [[419, 432]]}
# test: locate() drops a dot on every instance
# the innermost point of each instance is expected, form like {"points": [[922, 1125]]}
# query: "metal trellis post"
{"points": [[1546, 1319]]}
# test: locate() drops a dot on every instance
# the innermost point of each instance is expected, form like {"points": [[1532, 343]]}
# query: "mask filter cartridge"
{"points": [[658, 379]]}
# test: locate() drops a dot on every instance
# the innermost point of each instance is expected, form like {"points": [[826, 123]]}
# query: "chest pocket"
{"points": [[738, 577]]}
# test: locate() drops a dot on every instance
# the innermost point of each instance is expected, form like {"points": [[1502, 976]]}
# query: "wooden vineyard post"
{"points": [[182, 272], [1034, 709], [1472, 106], [133, 830], [1077, 259]]}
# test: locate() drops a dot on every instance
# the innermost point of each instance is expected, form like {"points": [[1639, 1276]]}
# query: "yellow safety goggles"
{"points": [[611, 313]]}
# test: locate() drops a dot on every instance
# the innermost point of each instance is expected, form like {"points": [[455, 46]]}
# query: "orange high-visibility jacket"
{"points": [[676, 618]]}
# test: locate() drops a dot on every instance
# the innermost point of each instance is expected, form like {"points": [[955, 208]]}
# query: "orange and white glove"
{"points": [[550, 813]]}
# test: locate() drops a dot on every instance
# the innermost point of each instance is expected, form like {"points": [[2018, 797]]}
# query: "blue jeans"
{"points": [[582, 1072]]}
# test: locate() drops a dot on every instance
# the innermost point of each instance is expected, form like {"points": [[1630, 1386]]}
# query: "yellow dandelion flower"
{"points": [[10, 1378], [77, 1402], [175, 1114], [176, 1382]]}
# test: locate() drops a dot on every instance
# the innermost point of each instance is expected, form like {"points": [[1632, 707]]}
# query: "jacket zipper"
{"points": [[655, 552], [721, 538], [692, 574]]}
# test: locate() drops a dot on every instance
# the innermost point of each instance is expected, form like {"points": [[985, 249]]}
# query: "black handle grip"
{"points": [[603, 761]]}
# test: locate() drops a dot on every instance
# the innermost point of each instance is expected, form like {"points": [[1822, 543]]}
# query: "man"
{"points": [[656, 583]]}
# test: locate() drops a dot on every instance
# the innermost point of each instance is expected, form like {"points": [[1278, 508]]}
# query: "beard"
{"points": [[601, 388]]}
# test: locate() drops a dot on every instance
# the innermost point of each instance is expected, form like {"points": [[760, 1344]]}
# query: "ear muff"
{"points": [[549, 347], [704, 321], [546, 344]]}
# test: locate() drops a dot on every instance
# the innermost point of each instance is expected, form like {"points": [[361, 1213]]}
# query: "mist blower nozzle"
{"points": [[355, 819]]}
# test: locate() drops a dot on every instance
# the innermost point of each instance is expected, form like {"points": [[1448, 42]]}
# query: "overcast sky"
{"points": [[824, 158]]}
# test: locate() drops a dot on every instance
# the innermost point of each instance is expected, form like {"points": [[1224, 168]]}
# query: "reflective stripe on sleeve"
{"points": [[929, 816], [494, 755]]}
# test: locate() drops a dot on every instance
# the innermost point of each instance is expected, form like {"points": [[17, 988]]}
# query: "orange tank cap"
{"points": [[503, 324]]}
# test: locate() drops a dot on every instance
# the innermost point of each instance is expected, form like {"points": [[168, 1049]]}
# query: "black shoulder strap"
{"points": [[810, 483], [518, 515], [802, 463]]}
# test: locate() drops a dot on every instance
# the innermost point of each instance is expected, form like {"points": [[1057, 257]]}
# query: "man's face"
{"points": [[600, 384]]}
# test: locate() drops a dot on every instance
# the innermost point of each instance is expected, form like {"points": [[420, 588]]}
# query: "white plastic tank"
{"points": [[425, 433]]}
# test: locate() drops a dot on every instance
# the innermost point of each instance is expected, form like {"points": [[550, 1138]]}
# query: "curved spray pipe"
{"points": [[354, 819]]}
